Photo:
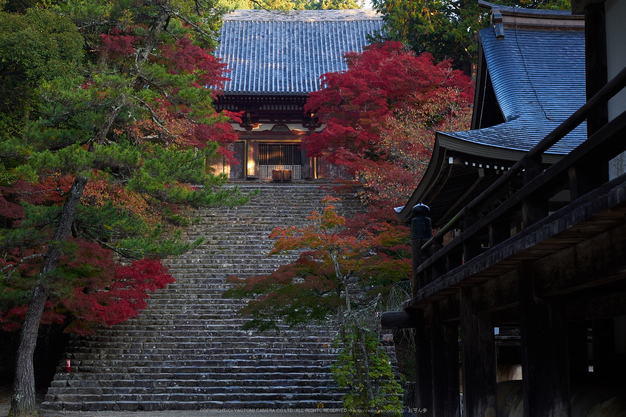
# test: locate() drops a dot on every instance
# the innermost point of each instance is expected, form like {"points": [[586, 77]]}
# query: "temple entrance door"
{"points": [[283, 156]]}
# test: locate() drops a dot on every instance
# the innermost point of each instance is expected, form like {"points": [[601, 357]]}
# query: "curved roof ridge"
{"points": [[346, 15]]}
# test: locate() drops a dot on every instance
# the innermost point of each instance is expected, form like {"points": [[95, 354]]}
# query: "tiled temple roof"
{"points": [[538, 77], [287, 52], [531, 77]]}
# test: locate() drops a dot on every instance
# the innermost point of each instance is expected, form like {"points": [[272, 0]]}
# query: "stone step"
{"points": [[92, 379], [194, 405], [179, 361], [130, 382], [136, 386], [202, 367], [217, 350], [187, 350], [228, 395], [122, 345]]}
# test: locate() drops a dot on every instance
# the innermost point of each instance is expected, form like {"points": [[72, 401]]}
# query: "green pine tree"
{"points": [[107, 132]]}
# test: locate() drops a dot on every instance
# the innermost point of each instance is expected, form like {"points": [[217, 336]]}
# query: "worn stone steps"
{"points": [[267, 378], [182, 389], [187, 349], [217, 350], [135, 381], [195, 330], [229, 395], [161, 405]]}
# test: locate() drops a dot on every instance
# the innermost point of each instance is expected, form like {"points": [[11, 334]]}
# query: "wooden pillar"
{"points": [[421, 232], [499, 231], [423, 376], [596, 62], [578, 349], [534, 208], [440, 267], [253, 170], [471, 247], [454, 259], [584, 178], [603, 333], [545, 363], [478, 349], [306, 165], [445, 365]]}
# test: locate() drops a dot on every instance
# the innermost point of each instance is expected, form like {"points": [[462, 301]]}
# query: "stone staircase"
{"points": [[187, 350]]}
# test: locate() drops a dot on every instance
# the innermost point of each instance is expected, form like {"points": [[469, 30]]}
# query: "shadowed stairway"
{"points": [[187, 350]]}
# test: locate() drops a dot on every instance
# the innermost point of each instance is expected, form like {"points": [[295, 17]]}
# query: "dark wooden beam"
{"points": [[398, 320], [596, 62], [445, 365], [590, 263], [478, 350], [604, 142], [545, 363], [593, 215], [423, 397], [496, 294], [608, 302]]}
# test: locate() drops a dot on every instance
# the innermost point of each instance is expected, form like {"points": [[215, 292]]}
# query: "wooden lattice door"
{"points": [[278, 157]]}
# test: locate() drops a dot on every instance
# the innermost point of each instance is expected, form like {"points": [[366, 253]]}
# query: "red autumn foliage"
{"points": [[381, 115], [186, 58], [94, 289], [47, 192], [118, 44], [336, 253]]}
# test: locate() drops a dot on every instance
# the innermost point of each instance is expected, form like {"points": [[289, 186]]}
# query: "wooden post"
{"points": [[478, 348], [439, 267], [499, 231], [533, 208], [421, 232], [545, 363], [454, 259], [471, 248], [445, 365], [584, 178], [423, 378], [596, 61], [253, 170], [306, 165], [578, 349], [603, 333]]}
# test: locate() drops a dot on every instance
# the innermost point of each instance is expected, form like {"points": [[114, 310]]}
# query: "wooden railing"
{"points": [[486, 221]]}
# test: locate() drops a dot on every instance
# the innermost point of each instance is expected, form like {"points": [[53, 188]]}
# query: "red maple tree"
{"points": [[380, 116], [107, 153]]}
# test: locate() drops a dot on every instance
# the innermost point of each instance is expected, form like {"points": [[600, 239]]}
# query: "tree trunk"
{"points": [[23, 402], [23, 399]]}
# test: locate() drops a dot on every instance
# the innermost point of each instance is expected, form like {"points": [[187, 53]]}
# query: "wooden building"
{"points": [[539, 246], [276, 59]]}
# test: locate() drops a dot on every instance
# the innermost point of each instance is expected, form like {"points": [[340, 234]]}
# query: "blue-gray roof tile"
{"points": [[287, 52], [538, 77]]}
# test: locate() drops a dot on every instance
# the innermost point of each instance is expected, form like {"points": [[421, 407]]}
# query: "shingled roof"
{"points": [[272, 52]]}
